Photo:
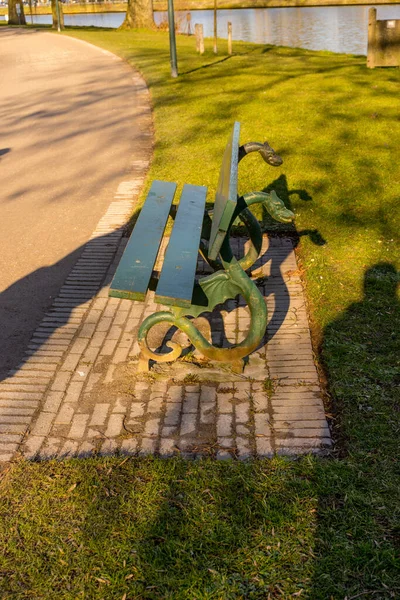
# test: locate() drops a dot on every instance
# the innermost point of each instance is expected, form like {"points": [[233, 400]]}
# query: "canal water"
{"points": [[334, 28]]}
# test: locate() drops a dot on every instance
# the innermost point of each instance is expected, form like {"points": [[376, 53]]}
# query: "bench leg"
{"points": [[217, 287], [238, 366], [143, 366]]}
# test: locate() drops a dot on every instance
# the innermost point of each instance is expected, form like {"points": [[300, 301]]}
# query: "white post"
{"points": [[215, 27], [201, 39], [229, 38]]}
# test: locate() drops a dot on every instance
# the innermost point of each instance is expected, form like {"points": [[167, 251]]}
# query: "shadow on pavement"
{"points": [[24, 304]]}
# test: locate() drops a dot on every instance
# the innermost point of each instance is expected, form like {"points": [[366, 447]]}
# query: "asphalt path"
{"points": [[68, 135]]}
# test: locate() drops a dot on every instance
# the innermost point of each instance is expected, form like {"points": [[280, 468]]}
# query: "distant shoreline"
{"points": [[161, 5]]}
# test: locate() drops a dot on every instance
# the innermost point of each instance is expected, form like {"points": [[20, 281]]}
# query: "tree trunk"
{"points": [[13, 17], [55, 15], [139, 15]]}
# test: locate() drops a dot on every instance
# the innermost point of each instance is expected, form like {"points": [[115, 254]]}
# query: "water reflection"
{"points": [[334, 28]]}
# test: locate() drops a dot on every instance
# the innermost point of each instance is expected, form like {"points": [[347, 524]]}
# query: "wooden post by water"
{"points": [[189, 23], [383, 41], [201, 39], [229, 38], [372, 45], [215, 27], [197, 36]]}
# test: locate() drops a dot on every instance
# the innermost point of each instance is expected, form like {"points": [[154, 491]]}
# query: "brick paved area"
{"points": [[79, 392]]}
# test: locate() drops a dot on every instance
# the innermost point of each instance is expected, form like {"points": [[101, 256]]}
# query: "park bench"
{"points": [[197, 230]]}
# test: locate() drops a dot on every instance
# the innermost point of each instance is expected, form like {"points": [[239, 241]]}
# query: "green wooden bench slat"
{"points": [[226, 196], [132, 277], [179, 269]]}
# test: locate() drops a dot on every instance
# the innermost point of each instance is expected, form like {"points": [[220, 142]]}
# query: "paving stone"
{"points": [[136, 410], [306, 443], [129, 446], [74, 391], [148, 446], [53, 402], [168, 431], [32, 445], [104, 324], [120, 356], [86, 449], [79, 422], [13, 418], [43, 424], [224, 402], [168, 447], [224, 425], [223, 455], [191, 402], [242, 429], [19, 396], [208, 395], [155, 403], [152, 427], [264, 447], [141, 387], [260, 401], [243, 448], [108, 347], [93, 379], [172, 413], [7, 448], [115, 425], [19, 386], [70, 363], [9, 411], [188, 424], [10, 438], [302, 432], [61, 382], [109, 378], [242, 390], [93, 433], [50, 448], [207, 413], [159, 386], [121, 405], [17, 428], [109, 447], [262, 425], [242, 412], [174, 394], [190, 389], [226, 443], [299, 402]]}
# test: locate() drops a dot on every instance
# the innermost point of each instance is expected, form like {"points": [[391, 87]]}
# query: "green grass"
{"points": [[310, 528]]}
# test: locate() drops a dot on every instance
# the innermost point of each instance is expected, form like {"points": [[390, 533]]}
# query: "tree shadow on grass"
{"points": [[209, 529], [358, 534]]}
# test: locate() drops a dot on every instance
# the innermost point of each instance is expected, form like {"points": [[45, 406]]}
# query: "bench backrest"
{"points": [[226, 196]]}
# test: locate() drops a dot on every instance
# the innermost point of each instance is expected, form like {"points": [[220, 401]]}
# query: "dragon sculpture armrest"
{"points": [[227, 282]]}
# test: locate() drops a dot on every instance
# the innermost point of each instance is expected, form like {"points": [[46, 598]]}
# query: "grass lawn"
{"points": [[118, 528]]}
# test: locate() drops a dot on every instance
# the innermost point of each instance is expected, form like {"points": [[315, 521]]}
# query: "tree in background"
{"points": [[139, 15], [16, 15], [55, 15]]}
